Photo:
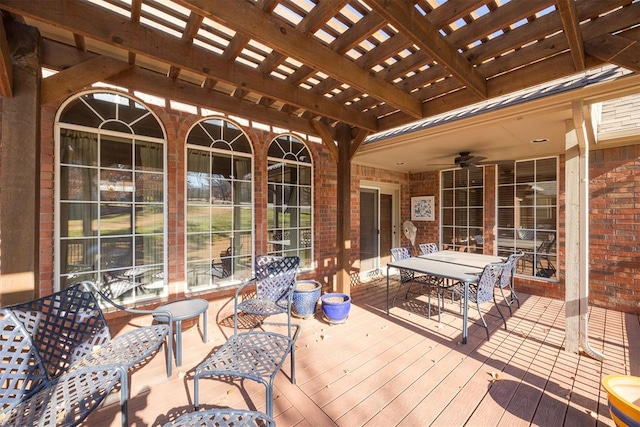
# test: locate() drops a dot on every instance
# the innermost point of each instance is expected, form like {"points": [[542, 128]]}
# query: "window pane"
{"points": [[116, 218], [447, 198], [149, 219], [78, 255], [305, 175], [116, 153], [149, 250], [78, 219], [116, 252], [242, 192], [198, 219], [116, 186], [505, 195], [149, 187], [78, 148], [198, 246], [242, 168], [149, 157]]}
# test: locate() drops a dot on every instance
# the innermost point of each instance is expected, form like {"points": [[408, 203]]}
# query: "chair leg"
{"points": [[506, 300], [486, 328], [514, 296], [499, 311]]}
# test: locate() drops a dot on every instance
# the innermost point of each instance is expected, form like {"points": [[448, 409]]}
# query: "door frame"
{"points": [[384, 188]]}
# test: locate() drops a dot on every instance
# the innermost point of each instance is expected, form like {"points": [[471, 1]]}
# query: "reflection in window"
{"points": [[219, 205], [111, 196], [462, 209], [290, 199], [527, 208]]}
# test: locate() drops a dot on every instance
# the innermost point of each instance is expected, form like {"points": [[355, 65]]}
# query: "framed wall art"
{"points": [[422, 208]]}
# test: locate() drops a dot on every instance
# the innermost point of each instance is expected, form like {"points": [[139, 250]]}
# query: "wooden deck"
{"points": [[403, 369]]}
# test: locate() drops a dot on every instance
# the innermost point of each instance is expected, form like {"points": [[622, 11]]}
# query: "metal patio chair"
{"points": [[223, 417], [273, 285], [253, 355], [428, 248], [484, 290], [32, 395], [409, 278], [507, 280]]}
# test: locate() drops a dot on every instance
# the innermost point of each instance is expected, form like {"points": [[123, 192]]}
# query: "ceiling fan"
{"points": [[466, 161]]}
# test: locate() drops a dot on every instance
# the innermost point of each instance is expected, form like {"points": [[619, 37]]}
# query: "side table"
{"points": [[183, 310]]}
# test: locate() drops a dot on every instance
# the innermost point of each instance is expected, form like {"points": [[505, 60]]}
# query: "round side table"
{"points": [[183, 310]]}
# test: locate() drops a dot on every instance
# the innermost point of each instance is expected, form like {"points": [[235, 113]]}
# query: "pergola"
{"points": [[338, 69]]}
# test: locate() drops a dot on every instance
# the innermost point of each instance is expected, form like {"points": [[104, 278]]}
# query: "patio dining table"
{"points": [[467, 259], [450, 268]]}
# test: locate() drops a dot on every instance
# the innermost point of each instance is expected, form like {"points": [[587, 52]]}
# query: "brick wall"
{"points": [[615, 228]]}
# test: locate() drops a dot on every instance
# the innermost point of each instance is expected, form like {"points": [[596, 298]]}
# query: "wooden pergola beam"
{"points": [[242, 16], [615, 49], [59, 56], [73, 79], [327, 138], [405, 16], [571, 25], [112, 29]]}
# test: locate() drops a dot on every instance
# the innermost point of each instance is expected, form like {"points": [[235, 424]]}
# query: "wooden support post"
{"points": [[572, 240], [343, 137], [20, 169]]}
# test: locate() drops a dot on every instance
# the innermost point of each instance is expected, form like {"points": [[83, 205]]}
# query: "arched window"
{"points": [[219, 224], [110, 203], [290, 199]]}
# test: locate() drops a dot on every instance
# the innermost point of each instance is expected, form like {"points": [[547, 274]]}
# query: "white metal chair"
{"points": [[507, 280], [408, 278], [483, 291]]}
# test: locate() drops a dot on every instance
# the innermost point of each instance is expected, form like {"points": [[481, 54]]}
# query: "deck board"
{"points": [[405, 369]]}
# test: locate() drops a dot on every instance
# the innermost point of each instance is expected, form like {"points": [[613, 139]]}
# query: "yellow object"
{"points": [[624, 399]]}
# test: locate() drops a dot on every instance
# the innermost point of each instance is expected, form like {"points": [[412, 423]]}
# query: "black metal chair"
{"points": [[273, 285], [541, 259], [484, 290]]}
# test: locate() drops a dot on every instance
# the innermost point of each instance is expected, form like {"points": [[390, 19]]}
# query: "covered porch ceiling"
{"points": [[374, 65]]}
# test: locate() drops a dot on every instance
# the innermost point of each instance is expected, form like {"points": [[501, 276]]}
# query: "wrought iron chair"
{"points": [[254, 355], [408, 279], [273, 285], [32, 395], [223, 417], [483, 291], [507, 280]]}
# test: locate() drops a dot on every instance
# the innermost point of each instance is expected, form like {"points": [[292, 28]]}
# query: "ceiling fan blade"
{"points": [[496, 162]]}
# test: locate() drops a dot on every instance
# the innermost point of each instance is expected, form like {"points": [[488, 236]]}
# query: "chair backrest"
{"points": [[398, 254], [64, 326], [276, 276], [21, 371], [428, 248], [546, 245], [510, 267], [489, 279]]}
